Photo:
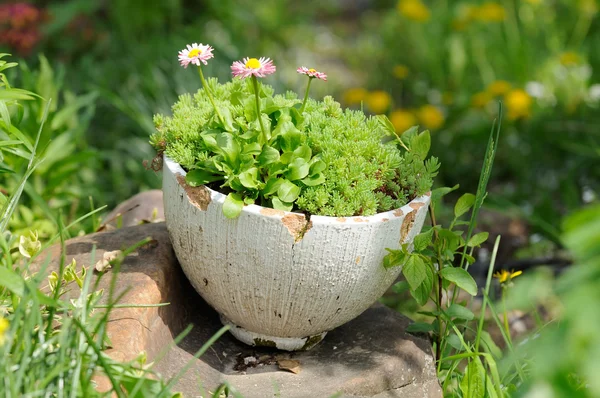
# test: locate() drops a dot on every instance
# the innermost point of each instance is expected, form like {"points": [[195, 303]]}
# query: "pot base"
{"points": [[281, 343]]}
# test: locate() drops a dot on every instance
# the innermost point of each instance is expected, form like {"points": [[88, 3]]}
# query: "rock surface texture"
{"points": [[371, 356]]}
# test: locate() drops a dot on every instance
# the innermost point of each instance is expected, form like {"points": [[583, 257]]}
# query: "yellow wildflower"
{"points": [[481, 99], [518, 104], [570, 58], [3, 328], [401, 71], [504, 275], [355, 96], [402, 120], [414, 9], [431, 117], [490, 12], [499, 87], [378, 101]]}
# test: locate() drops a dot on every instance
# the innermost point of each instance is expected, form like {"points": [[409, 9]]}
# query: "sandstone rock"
{"points": [[144, 207], [371, 356]]}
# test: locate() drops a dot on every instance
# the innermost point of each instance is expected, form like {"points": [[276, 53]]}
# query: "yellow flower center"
{"points": [[253, 63], [194, 53], [311, 70]]}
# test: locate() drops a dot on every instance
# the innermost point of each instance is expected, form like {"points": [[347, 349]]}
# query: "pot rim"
{"points": [[216, 196]]}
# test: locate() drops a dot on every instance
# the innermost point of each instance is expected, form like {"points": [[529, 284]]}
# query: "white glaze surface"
{"points": [[254, 272]]}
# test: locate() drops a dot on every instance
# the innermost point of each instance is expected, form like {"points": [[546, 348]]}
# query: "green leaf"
{"points": [[227, 119], [420, 144], [478, 239], [473, 383], [423, 291], [271, 186], [386, 124], [414, 271], [197, 177], [419, 327], [460, 312], [314, 180], [288, 191], [229, 147], [463, 204], [454, 342], [316, 166], [304, 152], [233, 205], [297, 170], [461, 278], [423, 240], [249, 178], [268, 155], [280, 205], [394, 258], [438, 193], [400, 287], [252, 148]]}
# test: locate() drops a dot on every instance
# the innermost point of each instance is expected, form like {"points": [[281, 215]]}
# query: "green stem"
{"points": [[210, 97], [310, 79], [262, 127], [506, 327]]}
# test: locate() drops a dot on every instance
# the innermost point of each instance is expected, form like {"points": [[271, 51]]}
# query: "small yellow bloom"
{"points": [[570, 58], [504, 275], [518, 104], [499, 87], [378, 101], [402, 120], [481, 99], [401, 71], [589, 7], [490, 12], [431, 117], [355, 96], [3, 328], [414, 9]]}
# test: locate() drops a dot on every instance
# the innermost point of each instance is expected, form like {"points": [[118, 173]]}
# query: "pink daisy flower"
{"points": [[252, 67], [195, 54], [312, 73]]}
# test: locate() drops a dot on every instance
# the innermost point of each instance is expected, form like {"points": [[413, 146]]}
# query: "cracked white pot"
{"points": [[276, 278]]}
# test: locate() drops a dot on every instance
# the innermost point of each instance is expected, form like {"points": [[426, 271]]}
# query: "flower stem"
{"points": [[209, 95], [506, 327], [310, 79], [255, 84]]}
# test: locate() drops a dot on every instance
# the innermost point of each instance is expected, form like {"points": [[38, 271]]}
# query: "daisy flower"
{"points": [[195, 54], [312, 73], [252, 67]]}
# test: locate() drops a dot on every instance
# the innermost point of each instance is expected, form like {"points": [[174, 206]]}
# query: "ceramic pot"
{"points": [[278, 278]]}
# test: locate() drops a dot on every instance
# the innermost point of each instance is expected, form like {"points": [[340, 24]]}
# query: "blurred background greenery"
{"points": [[109, 65]]}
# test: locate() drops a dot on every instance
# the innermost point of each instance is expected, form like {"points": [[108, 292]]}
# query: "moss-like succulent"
{"points": [[325, 161]]}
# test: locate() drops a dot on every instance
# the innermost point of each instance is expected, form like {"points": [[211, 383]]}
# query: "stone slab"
{"points": [[371, 356]]}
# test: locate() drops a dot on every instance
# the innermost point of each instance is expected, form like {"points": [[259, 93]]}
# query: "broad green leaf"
{"points": [[304, 152], [420, 144], [271, 186], [268, 155], [227, 122], [252, 148], [414, 271], [197, 177], [400, 287], [229, 147], [461, 278], [438, 193], [280, 205], [419, 327], [233, 205], [297, 170], [460, 312], [422, 293], [288, 191], [478, 239], [454, 342], [16, 94], [463, 204], [316, 166], [473, 383], [394, 258], [249, 178], [290, 138], [423, 240], [489, 345], [314, 180]]}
